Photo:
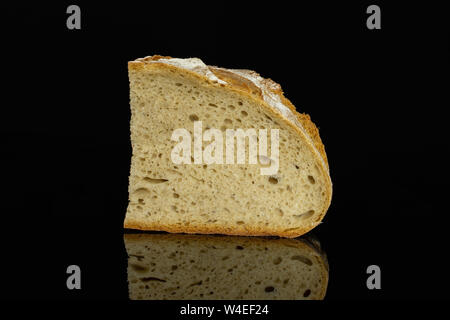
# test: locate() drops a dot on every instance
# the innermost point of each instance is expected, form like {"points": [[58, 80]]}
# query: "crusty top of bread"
{"points": [[250, 82]]}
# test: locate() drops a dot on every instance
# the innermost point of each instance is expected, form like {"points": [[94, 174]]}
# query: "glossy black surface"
{"points": [[201, 267], [378, 98]]}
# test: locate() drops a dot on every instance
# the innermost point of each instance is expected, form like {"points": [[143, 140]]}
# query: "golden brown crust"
{"points": [[154, 58], [313, 132], [236, 80], [244, 88], [130, 223]]}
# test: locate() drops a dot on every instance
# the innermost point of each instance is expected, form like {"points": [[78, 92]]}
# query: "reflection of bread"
{"points": [[171, 266], [168, 94]]}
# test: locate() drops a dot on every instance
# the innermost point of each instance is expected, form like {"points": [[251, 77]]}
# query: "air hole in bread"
{"points": [[273, 180], [231, 107], [147, 279], [277, 260], [239, 247], [193, 117], [311, 179], [178, 84], [139, 268], [308, 214], [303, 259], [244, 113], [228, 121], [212, 105], [269, 289], [280, 212], [154, 181], [307, 293], [240, 103], [141, 192], [176, 195]]}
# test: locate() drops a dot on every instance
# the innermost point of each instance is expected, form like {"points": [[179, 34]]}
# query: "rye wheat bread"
{"points": [[167, 94], [194, 267]]}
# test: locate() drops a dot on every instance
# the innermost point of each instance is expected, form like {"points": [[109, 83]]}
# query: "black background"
{"points": [[377, 96]]}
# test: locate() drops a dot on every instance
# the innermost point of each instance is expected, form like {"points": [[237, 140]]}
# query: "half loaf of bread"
{"points": [[195, 196], [196, 267]]}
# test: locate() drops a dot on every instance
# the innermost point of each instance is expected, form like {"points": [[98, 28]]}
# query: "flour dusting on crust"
{"points": [[193, 64], [268, 89]]}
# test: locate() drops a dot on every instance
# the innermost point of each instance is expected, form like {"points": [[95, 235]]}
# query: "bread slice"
{"points": [[185, 267], [231, 198]]}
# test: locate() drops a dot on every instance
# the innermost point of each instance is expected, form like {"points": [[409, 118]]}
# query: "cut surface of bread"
{"points": [[167, 94], [196, 267]]}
